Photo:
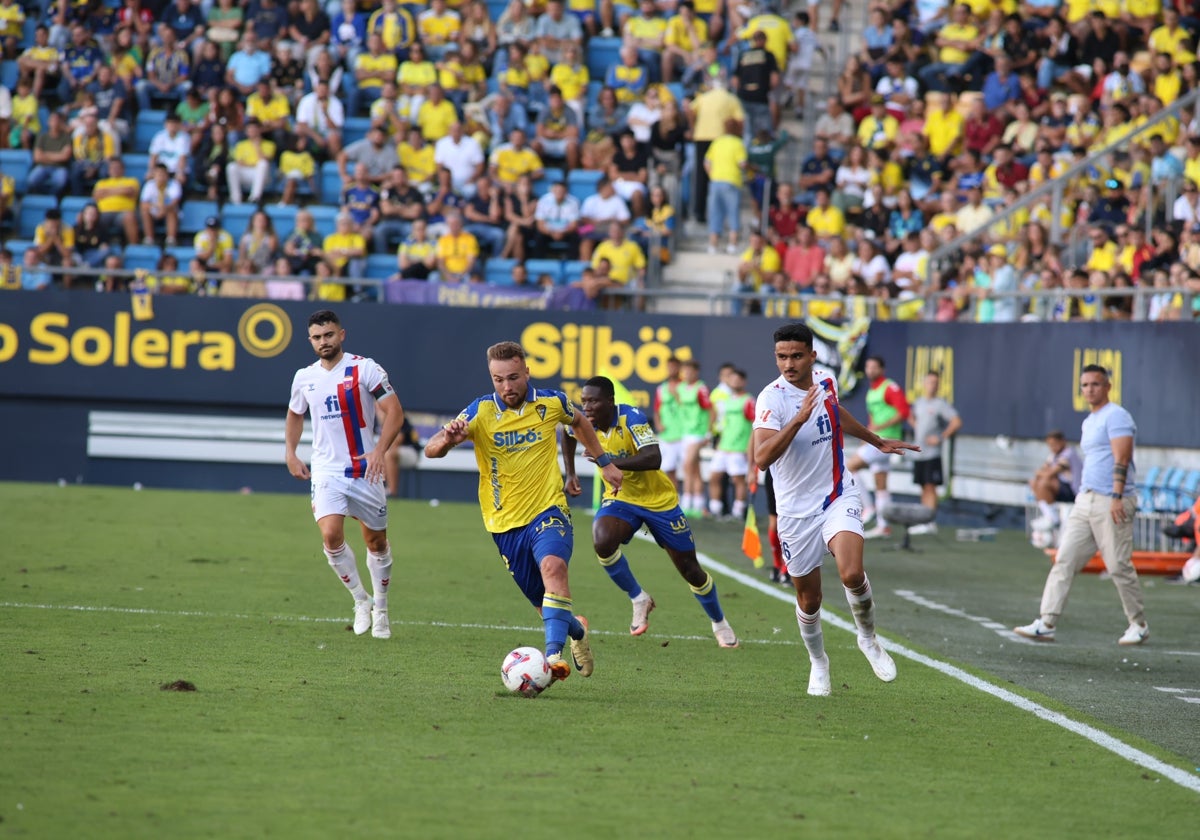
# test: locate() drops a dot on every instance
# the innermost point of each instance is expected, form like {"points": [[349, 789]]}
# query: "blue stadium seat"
{"points": [[331, 181], [18, 248], [72, 205], [593, 95], [148, 124], [573, 271], [499, 272], [194, 212], [235, 218], [1167, 500], [537, 268], [582, 182], [283, 218], [1147, 486], [8, 74], [381, 266], [496, 8], [676, 89], [136, 164], [324, 218], [550, 175], [184, 254], [602, 53], [31, 24], [17, 163], [355, 129], [1189, 489], [33, 213], [142, 256]]}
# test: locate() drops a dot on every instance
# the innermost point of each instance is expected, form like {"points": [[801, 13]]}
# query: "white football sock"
{"points": [[862, 605], [345, 566], [739, 509], [810, 632], [882, 498], [714, 507], [380, 567]]}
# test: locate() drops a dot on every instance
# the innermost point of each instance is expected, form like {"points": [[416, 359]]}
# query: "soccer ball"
{"points": [[1042, 538], [525, 671]]}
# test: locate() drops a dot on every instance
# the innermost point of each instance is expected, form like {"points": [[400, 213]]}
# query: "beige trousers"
{"points": [[1088, 528]]}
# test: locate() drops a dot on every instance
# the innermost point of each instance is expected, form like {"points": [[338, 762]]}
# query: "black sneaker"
{"points": [[834, 26]]}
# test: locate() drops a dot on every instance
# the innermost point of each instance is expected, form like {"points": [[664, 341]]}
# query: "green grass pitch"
{"points": [[299, 729]]}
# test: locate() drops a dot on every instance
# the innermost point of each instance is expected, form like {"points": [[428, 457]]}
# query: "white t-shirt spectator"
{"points": [[557, 216], [462, 159], [600, 209], [875, 271], [156, 200], [169, 150], [309, 112]]}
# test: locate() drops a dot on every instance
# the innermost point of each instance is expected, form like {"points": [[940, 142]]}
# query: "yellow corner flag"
{"points": [[751, 544]]}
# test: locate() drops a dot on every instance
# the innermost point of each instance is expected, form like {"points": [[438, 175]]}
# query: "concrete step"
{"points": [[700, 270]]}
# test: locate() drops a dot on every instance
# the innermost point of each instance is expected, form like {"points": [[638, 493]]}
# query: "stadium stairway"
{"points": [[697, 272]]}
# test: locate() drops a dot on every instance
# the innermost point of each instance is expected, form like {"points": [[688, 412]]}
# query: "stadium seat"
{"points": [[194, 212], [33, 213], [537, 268], [582, 182], [1147, 486], [72, 205], [676, 89], [573, 271], [136, 164], [1189, 489], [17, 163], [496, 8], [235, 218], [283, 218], [28, 30], [184, 255], [142, 256], [8, 74], [331, 181], [148, 124], [380, 266], [355, 129], [18, 248], [593, 95], [1167, 500], [550, 175], [499, 272], [324, 218], [601, 54]]}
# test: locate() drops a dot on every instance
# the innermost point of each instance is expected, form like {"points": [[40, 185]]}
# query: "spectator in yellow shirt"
{"points": [[345, 249], [956, 42], [457, 252], [272, 109], [725, 163], [91, 149], [626, 260], [943, 125], [512, 160], [685, 37], [250, 165], [827, 222], [760, 265], [879, 129], [1104, 251], [436, 115], [371, 69]]}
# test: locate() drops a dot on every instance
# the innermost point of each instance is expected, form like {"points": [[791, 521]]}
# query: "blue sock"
{"points": [[575, 628], [618, 569], [557, 618], [706, 594]]}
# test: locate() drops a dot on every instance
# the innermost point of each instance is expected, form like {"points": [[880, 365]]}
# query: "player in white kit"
{"points": [[343, 392], [798, 433]]}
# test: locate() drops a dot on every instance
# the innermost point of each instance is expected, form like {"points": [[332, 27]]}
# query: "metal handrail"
{"points": [[1056, 187]]}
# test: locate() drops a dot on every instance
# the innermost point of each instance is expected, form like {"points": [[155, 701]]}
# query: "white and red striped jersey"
{"points": [[341, 402], [810, 474]]}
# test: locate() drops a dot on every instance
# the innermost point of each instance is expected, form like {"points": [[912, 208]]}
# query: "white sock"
{"points": [[810, 633], [380, 567], [862, 605], [739, 509], [882, 498], [345, 566], [1048, 510], [714, 507]]}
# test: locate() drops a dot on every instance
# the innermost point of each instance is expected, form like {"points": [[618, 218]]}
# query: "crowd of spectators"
{"points": [[468, 121], [946, 115]]}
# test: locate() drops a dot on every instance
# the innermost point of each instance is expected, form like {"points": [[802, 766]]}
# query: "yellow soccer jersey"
{"points": [[517, 453], [570, 80], [677, 34], [385, 62], [418, 163], [416, 74], [629, 433]]}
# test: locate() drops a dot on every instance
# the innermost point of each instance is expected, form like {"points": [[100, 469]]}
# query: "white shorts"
{"points": [[672, 455], [876, 461], [354, 497], [628, 189], [730, 463], [805, 541], [692, 440]]}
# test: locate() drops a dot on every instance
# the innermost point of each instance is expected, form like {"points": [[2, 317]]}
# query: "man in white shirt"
{"points": [[600, 208], [556, 217], [320, 118], [460, 161], [158, 203], [342, 392], [171, 147], [798, 434]]}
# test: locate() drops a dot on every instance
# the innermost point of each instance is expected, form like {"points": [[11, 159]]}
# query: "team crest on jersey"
{"points": [[541, 410]]}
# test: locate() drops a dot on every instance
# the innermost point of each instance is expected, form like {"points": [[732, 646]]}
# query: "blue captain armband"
{"points": [[604, 460]]}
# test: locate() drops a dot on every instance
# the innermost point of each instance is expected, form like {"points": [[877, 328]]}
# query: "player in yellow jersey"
{"points": [[514, 431], [647, 498]]}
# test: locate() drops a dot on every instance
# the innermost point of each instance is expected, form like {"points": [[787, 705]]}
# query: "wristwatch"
{"points": [[604, 460], [1117, 495]]}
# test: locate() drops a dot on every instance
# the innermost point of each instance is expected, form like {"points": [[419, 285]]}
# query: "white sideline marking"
{"points": [[309, 619], [995, 626], [1101, 739]]}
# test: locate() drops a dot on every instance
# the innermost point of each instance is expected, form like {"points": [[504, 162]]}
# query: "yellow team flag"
{"points": [[751, 544]]}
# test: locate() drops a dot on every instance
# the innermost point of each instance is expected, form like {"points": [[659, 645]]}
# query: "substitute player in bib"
{"points": [[647, 498], [798, 431], [515, 432], [668, 420], [887, 409], [343, 393], [735, 421]]}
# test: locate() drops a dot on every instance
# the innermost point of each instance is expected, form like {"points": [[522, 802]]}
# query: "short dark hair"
{"points": [[878, 360], [1103, 371], [324, 316], [604, 384], [1055, 434], [794, 332]]}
